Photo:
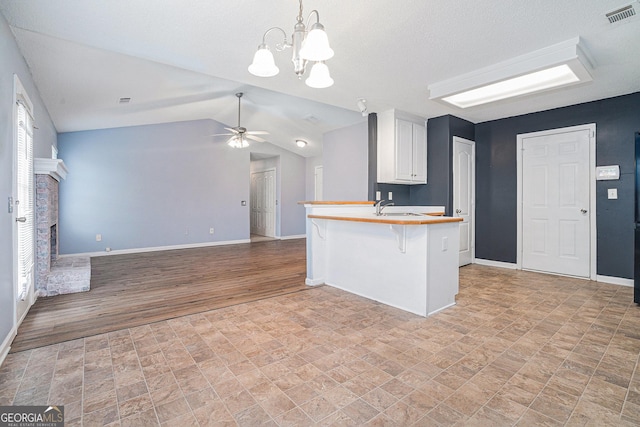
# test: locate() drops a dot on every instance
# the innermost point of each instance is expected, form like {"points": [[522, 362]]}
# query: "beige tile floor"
{"points": [[519, 348]]}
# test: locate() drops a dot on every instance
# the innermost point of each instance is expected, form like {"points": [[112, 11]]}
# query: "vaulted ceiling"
{"points": [[185, 60]]}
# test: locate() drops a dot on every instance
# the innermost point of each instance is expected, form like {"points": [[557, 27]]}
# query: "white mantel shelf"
{"points": [[53, 167]]}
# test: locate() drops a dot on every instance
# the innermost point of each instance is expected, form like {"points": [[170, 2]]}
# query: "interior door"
{"points": [[556, 230], [256, 201], [263, 203], [269, 204], [464, 195]]}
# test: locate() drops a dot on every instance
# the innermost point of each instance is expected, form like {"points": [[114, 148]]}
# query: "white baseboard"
{"points": [[615, 280], [599, 278], [294, 236], [491, 263], [311, 282], [157, 248], [6, 345]]}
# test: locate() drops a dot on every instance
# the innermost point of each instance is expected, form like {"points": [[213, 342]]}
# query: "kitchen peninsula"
{"points": [[406, 258]]}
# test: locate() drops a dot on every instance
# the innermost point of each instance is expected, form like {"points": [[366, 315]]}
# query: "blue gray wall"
{"points": [[44, 137], [616, 119], [163, 185], [345, 161], [439, 188]]}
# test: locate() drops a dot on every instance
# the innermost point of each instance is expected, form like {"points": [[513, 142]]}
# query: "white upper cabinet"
{"points": [[402, 148]]}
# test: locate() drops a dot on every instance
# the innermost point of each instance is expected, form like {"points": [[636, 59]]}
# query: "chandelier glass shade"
{"points": [[311, 46], [263, 64]]}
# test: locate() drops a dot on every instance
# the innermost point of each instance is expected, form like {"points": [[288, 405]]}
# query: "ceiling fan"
{"points": [[240, 135]]}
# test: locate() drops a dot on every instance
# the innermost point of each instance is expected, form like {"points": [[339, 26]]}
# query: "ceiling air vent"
{"points": [[124, 100], [620, 14]]}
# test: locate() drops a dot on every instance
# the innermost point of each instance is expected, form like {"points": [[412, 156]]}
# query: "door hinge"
{"points": [[10, 205]]}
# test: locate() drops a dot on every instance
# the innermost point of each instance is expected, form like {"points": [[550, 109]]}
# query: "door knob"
{"points": [[584, 211], [458, 211], [21, 219]]}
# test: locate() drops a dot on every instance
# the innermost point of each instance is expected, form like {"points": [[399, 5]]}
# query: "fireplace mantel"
{"points": [[52, 167]]}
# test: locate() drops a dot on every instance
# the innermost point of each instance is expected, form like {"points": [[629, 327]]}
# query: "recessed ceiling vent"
{"points": [[620, 14], [124, 100]]}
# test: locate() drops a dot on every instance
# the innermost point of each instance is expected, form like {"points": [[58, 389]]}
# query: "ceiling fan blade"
{"points": [[257, 132], [223, 134], [255, 138], [232, 130]]}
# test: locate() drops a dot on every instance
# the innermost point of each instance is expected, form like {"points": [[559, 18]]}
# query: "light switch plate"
{"points": [[612, 193]]}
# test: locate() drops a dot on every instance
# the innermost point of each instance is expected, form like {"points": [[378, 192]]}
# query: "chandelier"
{"points": [[312, 46]]}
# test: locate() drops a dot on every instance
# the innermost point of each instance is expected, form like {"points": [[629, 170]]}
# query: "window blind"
{"points": [[25, 188]]}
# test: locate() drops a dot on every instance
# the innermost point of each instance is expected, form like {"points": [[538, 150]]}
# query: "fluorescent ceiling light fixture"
{"points": [[553, 67], [529, 83]]}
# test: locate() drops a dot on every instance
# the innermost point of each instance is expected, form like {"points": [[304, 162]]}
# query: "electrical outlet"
{"points": [[390, 195], [445, 244], [612, 193], [211, 230], [98, 237]]}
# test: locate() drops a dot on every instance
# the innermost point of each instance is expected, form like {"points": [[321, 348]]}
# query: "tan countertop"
{"points": [[397, 220]]}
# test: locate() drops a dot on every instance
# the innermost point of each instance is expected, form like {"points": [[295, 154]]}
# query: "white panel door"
{"points": [[257, 223], [464, 195], [555, 203], [269, 205], [263, 203]]}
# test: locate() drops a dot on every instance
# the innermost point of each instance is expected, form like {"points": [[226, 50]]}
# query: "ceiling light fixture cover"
{"points": [[312, 46], [301, 143], [556, 66]]}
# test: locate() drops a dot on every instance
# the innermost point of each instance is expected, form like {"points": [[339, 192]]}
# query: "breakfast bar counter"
{"points": [[407, 257]]}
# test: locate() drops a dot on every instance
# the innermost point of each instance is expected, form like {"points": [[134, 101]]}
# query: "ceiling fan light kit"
{"points": [[239, 135], [311, 46]]}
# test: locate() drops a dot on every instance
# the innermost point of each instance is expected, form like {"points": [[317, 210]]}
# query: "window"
{"points": [[24, 191]]}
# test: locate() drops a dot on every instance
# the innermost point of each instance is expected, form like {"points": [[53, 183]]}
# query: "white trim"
{"points": [[6, 344], [592, 190], [294, 236], [55, 168], [499, 264], [157, 248], [615, 280], [311, 282]]}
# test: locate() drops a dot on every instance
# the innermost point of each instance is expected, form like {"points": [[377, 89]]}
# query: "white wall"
{"points": [[44, 137], [345, 160]]}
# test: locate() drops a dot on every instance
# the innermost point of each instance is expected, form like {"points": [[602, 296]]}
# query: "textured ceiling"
{"points": [[184, 60]]}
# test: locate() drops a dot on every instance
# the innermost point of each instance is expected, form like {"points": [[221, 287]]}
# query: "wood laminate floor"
{"points": [[137, 289]]}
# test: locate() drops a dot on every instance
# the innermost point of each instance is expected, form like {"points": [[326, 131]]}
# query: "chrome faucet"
{"points": [[380, 206]]}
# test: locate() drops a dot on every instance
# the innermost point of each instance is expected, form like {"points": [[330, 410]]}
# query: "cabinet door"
{"points": [[404, 150], [419, 154]]}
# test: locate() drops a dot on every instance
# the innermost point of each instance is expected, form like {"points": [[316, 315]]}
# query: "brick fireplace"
{"points": [[54, 275]]}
